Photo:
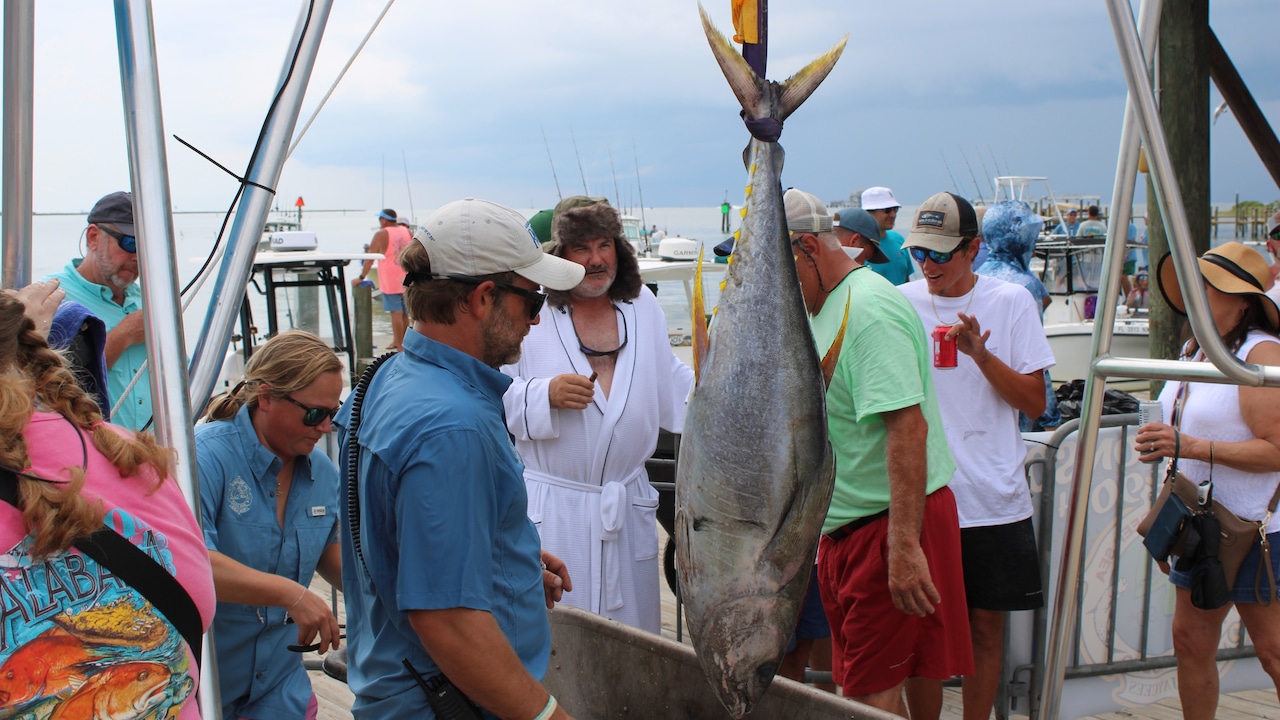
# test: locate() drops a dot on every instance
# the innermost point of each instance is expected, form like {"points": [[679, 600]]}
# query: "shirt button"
{"points": [[260, 675]]}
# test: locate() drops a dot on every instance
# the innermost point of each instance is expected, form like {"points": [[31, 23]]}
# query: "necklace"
{"points": [[972, 292]]}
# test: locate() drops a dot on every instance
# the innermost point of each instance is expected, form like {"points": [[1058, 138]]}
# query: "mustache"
{"points": [[597, 269]]}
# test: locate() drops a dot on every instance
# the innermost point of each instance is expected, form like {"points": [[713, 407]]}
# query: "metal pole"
{"points": [[1066, 600], [1169, 200], [157, 266], [228, 291], [19, 79]]}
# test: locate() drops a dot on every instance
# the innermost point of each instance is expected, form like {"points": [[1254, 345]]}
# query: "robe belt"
{"points": [[613, 506]]}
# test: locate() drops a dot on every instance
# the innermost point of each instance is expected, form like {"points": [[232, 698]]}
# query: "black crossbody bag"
{"points": [[136, 568]]}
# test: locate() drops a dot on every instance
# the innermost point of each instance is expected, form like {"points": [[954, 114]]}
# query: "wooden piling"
{"points": [[362, 298]]}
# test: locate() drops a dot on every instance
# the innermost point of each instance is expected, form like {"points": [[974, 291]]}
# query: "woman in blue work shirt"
{"points": [[269, 503]]}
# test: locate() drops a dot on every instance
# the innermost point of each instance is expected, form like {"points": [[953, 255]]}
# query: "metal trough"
{"points": [[601, 669]]}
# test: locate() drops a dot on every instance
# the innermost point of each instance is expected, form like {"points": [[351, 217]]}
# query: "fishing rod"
{"points": [[987, 173], [585, 191], [337, 80], [617, 196], [954, 185], [559, 195], [636, 159], [976, 187], [407, 188]]}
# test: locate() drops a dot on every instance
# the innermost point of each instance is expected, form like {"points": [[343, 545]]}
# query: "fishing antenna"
{"points": [[996, 163], [585, 191], [559, 195], [954, 185], [407, 188]]}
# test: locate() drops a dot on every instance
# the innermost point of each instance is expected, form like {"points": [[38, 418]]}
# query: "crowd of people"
{"points": [[498, 465]]}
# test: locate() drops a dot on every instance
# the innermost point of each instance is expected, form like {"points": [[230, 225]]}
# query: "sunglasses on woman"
{"points": [[313, 416], [940, 258], [128, 243]]}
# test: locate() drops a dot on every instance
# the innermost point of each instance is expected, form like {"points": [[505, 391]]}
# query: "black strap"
{"points": [[136, 568]]}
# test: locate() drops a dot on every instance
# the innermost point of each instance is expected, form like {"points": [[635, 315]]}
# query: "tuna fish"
{"points": [[755, 472]]}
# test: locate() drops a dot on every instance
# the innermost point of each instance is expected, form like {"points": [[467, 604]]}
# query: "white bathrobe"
{"points": [[589, 494]]}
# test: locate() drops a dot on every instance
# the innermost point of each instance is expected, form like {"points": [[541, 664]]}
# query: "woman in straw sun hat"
{"points": [[1232, 435]]}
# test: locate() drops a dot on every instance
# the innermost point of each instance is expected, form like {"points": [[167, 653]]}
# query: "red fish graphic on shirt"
{"points": [[121, 692], [51, 664]]}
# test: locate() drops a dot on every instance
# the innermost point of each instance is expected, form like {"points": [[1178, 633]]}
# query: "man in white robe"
{"points": [[595, 381]]}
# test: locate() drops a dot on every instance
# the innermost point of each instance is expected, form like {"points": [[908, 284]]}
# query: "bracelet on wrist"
{"points": [[549, 709]]}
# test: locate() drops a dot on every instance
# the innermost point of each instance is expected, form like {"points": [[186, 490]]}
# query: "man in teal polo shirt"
{"points": [[105, 281]]}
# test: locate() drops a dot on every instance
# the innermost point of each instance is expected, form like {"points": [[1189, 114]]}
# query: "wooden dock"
{"points": [[335, 699]]}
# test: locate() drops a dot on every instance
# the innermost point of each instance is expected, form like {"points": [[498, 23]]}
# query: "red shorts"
{"points": [[875, 646]]}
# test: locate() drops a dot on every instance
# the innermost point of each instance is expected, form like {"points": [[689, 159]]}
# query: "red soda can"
{"points": [[944, 348]]}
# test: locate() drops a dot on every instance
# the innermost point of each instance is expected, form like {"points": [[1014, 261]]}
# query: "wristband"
{"points": [[295, 602], [549, 710]]}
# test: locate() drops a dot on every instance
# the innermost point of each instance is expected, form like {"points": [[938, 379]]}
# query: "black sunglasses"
{"points": [[941, 258], [313, 416], [128, 243], [535, 298], [601, 353]]}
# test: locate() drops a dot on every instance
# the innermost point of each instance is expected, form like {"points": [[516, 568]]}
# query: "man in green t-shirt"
{"points": [[900, 614]]}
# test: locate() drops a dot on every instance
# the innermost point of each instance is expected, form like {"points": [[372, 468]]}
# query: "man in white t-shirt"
{"points": [[1001, 353]]}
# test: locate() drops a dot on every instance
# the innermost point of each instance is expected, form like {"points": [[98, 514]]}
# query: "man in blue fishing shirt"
{"points": [[442, 568], [105, 281]]}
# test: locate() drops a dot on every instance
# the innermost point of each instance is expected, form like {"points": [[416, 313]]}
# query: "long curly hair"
{"points": [[286, 363], [55, 513]]}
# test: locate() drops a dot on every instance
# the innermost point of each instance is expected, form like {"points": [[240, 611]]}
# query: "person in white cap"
{"points": [[884, 207], [899, 613], [442, 567], [595, 382], [996, 371]]}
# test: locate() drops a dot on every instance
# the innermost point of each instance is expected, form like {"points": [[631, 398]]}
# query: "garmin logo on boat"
{"points": [[931, 218]]}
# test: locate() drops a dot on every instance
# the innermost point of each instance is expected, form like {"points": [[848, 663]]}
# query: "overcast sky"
{"points": [[463, 92]]}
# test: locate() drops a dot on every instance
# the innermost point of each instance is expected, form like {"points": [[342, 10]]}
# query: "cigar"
{"points": [[593, 377]]}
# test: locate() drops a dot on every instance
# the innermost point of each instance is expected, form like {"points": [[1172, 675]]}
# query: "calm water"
{"points": [[58, 238]]}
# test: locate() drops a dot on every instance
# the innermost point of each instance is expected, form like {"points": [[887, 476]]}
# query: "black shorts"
{"points": [[1001, 567]]}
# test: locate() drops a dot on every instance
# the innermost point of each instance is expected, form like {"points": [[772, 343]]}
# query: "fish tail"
{"points": [[701, 338], [755, 93], [833, 353], [797, 88], [747, 86]]}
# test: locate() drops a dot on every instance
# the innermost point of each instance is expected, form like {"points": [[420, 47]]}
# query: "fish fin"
{"points": [[76, 681], [833, 353], [746, 85], [797, 88], [701, 337]]}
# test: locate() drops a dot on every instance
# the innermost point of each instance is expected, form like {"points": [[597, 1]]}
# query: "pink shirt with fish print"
{"points": [[74, 639]]}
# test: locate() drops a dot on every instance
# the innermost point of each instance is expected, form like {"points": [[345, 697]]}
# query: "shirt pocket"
{"points": [[644, 527], [313, 536]]}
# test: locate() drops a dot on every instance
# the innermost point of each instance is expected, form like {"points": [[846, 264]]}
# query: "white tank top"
{"points": [[1212, 411]]}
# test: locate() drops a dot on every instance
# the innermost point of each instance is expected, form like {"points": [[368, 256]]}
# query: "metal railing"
{"points": [[1141, 123]]}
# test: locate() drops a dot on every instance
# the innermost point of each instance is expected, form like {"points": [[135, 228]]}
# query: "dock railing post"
{"points": [[362, 298]]}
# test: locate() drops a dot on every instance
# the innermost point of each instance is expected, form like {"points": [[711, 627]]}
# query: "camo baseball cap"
{"points": [[473, 237]]}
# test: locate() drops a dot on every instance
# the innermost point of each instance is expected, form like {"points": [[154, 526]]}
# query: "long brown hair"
{"points": [[55, 513]]}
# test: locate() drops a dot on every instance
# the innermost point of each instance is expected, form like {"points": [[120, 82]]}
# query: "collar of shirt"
{"points": [[71, 275], [468, 369]]}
